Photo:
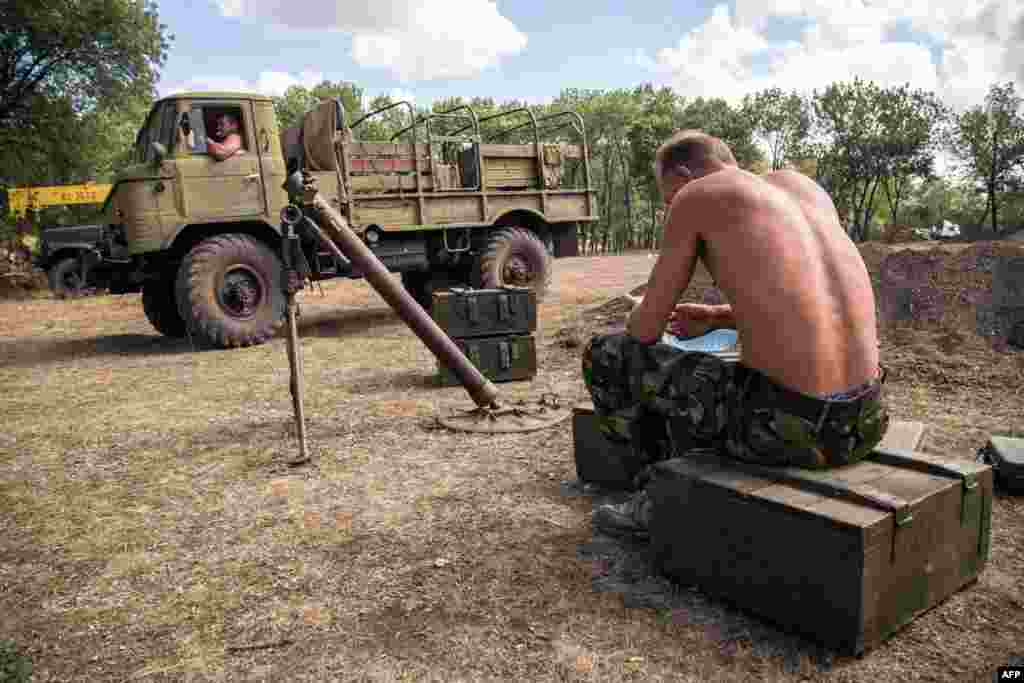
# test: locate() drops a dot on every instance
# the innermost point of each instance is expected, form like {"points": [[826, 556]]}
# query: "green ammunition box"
{"points": [[845, 556], [464, 313], [505, 358]]}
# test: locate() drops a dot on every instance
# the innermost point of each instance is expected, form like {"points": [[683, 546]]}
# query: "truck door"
{"points": [[228, 188]]}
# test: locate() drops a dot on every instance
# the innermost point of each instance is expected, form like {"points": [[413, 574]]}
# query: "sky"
{"points": [[532, 49]]}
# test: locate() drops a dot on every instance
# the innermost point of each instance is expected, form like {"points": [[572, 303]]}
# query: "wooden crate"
{"points": [[845, 556]]}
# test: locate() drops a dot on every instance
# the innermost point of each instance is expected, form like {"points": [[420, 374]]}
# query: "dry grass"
{"points": [[151, 525]]}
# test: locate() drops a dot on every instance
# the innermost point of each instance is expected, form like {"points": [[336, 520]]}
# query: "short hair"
{"points": [[693, 149]]}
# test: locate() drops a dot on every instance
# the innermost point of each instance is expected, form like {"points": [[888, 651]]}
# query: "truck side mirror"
{"points": [[159, 151]]}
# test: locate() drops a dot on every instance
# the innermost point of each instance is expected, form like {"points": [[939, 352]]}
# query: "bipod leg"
{"points": [[293, 284], [296, 384]]}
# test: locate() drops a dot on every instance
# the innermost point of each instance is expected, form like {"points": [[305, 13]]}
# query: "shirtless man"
{"points": [[230, 142], [807, 390]]}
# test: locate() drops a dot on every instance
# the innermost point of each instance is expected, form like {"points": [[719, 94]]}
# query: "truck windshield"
{"points": [[159, 128]]}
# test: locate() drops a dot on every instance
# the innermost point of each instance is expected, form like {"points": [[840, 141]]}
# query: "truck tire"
{"points": [[517, 257], [229, 291], [66, 278], [160, 307]]}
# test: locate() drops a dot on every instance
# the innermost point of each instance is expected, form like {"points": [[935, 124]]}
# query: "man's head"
{"points": [[686, 156], [226, 125]]}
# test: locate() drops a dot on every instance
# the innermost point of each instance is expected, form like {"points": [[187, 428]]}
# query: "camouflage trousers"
{"points": [[665, 402]]}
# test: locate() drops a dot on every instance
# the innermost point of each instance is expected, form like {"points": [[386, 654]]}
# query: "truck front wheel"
{"points": [[517, 257], [66, 278], [229, 291], [160, 307]]}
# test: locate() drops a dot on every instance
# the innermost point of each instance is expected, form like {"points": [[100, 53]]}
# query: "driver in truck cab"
{"points": [[225, 141]]}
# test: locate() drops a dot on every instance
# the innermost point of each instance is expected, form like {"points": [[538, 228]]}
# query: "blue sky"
{"points": [[530, 49]]}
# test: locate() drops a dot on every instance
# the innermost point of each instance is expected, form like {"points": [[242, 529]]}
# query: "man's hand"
{"points": [[222, 150], [695, 320]]}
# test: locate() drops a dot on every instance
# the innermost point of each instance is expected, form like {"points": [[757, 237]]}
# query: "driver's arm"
{"points": [[222, 150]]}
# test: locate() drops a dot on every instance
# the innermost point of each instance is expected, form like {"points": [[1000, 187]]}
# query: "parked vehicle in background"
{"points": [[76, 258], [463, 207], [79, 258]]}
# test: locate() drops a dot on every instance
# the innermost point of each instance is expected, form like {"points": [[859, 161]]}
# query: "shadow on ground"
{"points": [[21, 353], [315, 321], [319, 320], [623, 566]]}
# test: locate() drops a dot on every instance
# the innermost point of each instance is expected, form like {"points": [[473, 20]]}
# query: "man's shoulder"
{"points": [[791, 179], [733, 187]]}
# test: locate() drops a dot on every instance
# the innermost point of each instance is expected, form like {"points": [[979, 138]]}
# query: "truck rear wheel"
{"points": [[160, 307], [229, 291], [66, 278], [517, 257]]}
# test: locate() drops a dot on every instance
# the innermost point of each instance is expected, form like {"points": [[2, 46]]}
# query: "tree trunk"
{"points": [[869, 208], [993, 200], [654, 226]]}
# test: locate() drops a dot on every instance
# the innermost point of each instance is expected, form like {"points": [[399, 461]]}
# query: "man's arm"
{"points": [[673, 269], [222, 150]]}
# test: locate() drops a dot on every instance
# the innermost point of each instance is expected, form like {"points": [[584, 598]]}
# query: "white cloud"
{"points": [[413, 39], [266, 83], [730, 54]]}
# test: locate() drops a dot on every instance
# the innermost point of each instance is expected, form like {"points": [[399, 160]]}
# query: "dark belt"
{"points": [[814, 410]]}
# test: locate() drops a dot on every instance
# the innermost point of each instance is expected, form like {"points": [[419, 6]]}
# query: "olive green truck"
{"points": [[454, 198]]}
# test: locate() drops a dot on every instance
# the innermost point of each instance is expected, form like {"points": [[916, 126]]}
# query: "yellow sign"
{"points": [[21, 199]]}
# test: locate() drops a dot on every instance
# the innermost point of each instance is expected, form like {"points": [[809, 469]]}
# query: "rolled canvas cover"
{"points": [[318, 130]]}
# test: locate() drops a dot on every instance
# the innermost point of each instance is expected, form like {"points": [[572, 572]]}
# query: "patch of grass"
{"points": [[15, 667]]}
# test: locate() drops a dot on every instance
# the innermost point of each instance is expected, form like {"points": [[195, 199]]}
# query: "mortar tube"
{"points": [[480, 389]]}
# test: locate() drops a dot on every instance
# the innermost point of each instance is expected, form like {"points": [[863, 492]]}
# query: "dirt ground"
{"points": [[152, 531]]}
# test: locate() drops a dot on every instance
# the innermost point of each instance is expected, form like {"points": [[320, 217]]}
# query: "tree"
{"points": [[782, 121], [867, 138], [297, 100], [912, 123], [81, 51], [734, 126], [661, 113], [846, 115], [989, 140]]}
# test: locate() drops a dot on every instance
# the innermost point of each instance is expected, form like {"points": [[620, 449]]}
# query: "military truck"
{"points": [[465, 205], [77, 258]]}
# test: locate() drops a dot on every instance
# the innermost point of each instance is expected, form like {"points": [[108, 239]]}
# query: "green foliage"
{"points": [[14, 666], [297, 100], [869, 138], [77, 79], [83, 52], [734, 126], [989, 140], [782, 121]]}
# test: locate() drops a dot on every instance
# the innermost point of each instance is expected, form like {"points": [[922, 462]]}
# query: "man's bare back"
{"points": [[800, 293]]}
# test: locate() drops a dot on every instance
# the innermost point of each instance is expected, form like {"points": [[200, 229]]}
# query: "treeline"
{"points": [[72, 98], [874, 149]]}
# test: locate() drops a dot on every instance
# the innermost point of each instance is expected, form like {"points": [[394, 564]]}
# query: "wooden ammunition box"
{"points": [[845, 556], [500, 359], [464, 313], [598, 460]]}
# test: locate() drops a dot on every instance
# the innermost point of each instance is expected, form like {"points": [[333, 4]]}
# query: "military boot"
{"points": [[630, 519]]}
